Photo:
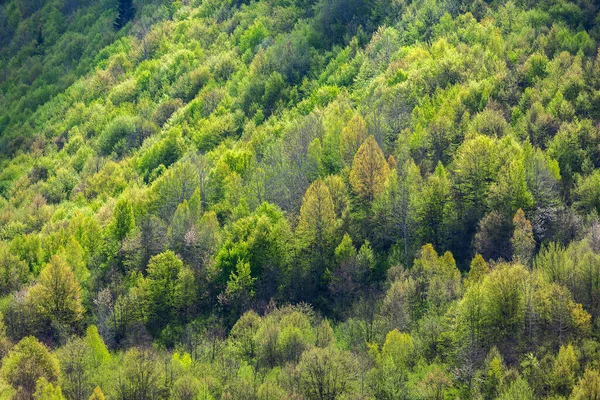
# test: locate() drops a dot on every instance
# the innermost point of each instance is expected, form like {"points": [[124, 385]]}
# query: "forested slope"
{"points": [[299, 199]]}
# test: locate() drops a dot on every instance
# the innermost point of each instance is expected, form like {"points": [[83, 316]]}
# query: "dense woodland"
{"points": [[299, 199]]}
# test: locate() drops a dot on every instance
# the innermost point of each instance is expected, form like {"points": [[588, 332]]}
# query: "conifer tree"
{"points": [[126, 13], [522, 241], [369, 170]]}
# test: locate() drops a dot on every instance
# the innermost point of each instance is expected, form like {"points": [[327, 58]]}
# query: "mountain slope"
{"points": [[422, 176]]}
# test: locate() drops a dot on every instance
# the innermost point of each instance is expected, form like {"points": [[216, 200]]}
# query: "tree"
{"points": [[47, 391], [76, 368], [243, 335], [240, 289], [126, 13], [99, 351], [343, 284], [395, 211], [397, 306], [587, 193], [13, 271], [522, 241], [398, 355], [57, 294], [326, 373], [177, 184], [353, 135], [510, 192], [475, 166], [492, 375], [565, 368], [316, 226], [518, 390], [434, 207], [27, 362], [477, 270], [140, 377], [369, 170], [542, 177], [123, 221], [492, 239], [438, 278], [97, 394], [588, 386], [163, 271]]}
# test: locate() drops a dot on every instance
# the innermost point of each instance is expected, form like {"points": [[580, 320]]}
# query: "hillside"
{"points": [[299, 199]]}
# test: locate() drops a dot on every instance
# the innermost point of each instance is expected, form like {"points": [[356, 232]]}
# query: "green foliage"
{"points": [[28, 362], [46, 391], [326, 373], [57, 294], [123, 221], [161, 285], [369, 170], [420, 178]]}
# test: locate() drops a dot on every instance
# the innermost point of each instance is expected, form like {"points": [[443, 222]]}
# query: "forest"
{"points": [[299, 199]]}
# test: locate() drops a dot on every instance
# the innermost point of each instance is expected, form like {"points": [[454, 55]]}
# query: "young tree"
{"points": [[97, 394], [13, 271], [492, 239], [240, 290], [395, 211], [47, 391], [565, 368], [477, 270], [510, 192], [99, 351], [140, 377], [393, 366]]}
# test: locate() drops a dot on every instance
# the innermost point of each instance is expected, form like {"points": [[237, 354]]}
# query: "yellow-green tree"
{"points": [[27, 362], [123, 221], [369, 170], [47, 391], [317, 220], [57, 294], [353, 135], [97, 394], [522, 241], [588, 386]]}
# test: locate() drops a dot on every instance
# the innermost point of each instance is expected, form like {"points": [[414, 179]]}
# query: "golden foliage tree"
{"points": [[369, 170], [353, 135]]}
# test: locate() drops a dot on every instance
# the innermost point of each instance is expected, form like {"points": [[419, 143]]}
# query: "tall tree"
{"points": [[316, 226], [369, 170], [523, 242], [353, 135], [434, 207]]}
